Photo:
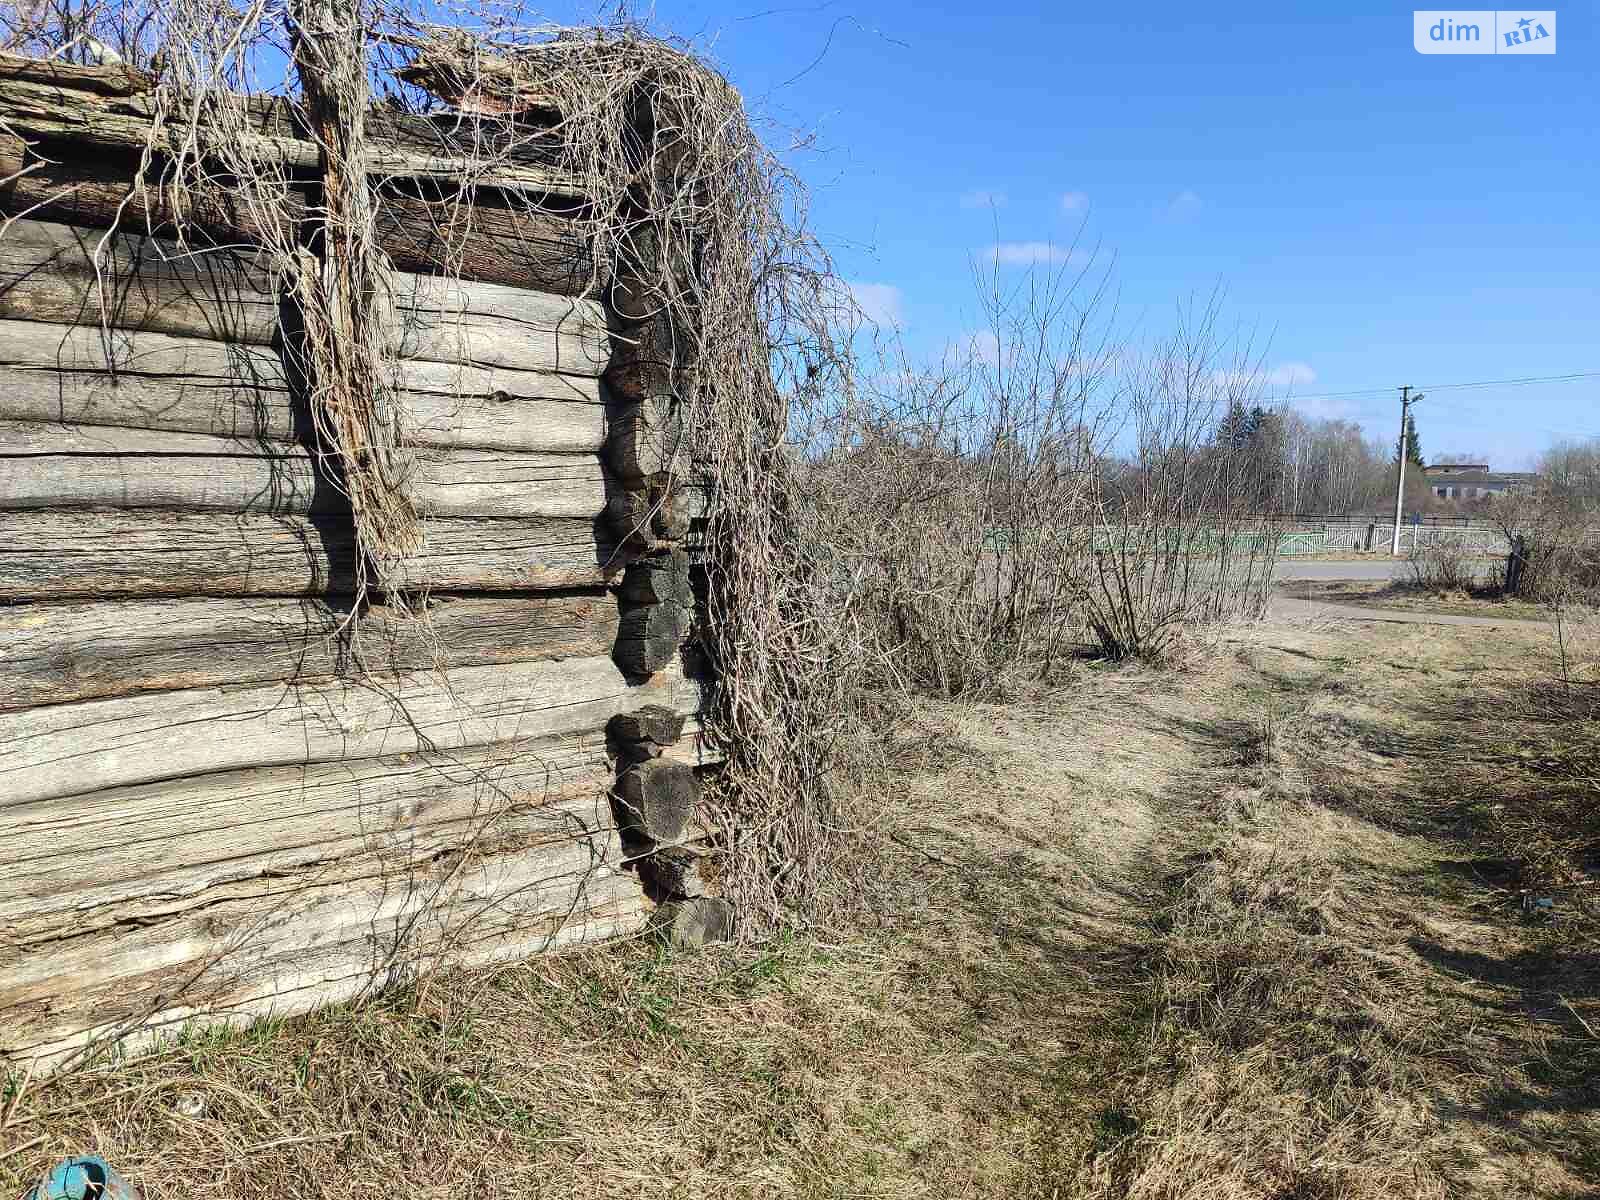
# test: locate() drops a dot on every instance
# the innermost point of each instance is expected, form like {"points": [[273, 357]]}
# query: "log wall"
{"points": [[222, 790]]}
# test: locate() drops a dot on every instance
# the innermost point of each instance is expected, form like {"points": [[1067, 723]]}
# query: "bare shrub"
{"points": [[1179, 538], [955, 498], [1441, 565], [1043, 488]]}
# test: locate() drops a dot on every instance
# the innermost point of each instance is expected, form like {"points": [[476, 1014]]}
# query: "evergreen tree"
{"points": [[1413, 446]]}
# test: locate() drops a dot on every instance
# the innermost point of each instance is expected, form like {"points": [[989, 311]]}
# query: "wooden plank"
{"points": [[84, 650], [154, 381], [72, 108], [65, 749], [67, 555], [72, 276], [48, 465]]}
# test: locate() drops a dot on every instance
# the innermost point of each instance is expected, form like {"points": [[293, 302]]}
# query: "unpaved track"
{"points": [[1298, 608]]}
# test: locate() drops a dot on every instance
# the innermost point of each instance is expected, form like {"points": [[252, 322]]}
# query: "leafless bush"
{"points": [[1178, 538], [955, 497], [1441, 565], [1041, 488]]}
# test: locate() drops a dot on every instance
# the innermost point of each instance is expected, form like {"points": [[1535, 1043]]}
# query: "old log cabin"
{"points": [[220, 796]]}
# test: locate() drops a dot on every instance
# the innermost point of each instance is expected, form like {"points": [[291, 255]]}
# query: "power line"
{"points": [[1523, 381]]}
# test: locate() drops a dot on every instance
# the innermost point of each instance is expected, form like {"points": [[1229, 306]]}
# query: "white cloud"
{"points": [[1027, 254], [1328, 409], [1277, 380], [1074, 201], [981, 346], [1290, 375], [985, 347], [1184, 205], [983, 198], [880, 303]]}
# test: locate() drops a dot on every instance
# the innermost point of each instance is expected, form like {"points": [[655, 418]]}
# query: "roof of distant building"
{"points": [[1477, 476]]}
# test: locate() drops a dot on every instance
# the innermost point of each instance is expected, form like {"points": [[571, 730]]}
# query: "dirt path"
{"points": [[1290, 608]]}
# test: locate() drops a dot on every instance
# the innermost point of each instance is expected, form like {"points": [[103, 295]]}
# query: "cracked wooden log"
{"points": [[293, 941], [695, 922], [67, 275], [422, 226], [64, 749], [115, 108], [653, 723], [55, 466], [646, 440], [48, 555], [657, 612], [58, 653], [80, 375], [656, 801], [672, 873]]}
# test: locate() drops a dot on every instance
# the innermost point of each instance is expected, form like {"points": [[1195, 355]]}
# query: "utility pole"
{"points": [[1406, 401]]}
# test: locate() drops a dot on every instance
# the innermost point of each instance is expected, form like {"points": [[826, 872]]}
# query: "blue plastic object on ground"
{"points": [[87, 1178]]}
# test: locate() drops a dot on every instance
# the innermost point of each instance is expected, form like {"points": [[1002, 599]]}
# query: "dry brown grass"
{"points": [[1148, 934]]}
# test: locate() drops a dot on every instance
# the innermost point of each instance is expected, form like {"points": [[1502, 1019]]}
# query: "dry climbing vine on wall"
{"points": [[678, 197], [685, 203]]}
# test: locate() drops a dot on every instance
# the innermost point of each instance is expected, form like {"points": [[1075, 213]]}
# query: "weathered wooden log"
{"points": [[658, 579], [83, 650], [647, 517], [656, 801], [312, 938], [483, 237], [646, 440], [649, 638], [61, 273], [99, 192], [657, 612], [486, 237], [73, 276], [64, 749], [75, 864], [52, 465], [88, 106], [652, 723], [67, 555], [490, 325], [672, 873], [154, 381], [694, 922]]}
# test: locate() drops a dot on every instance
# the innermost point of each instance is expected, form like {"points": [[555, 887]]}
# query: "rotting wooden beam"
{"points": [[100, 107], [481, 236], [67, 275]]}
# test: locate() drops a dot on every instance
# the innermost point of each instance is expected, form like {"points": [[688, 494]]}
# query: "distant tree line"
{"points": [[1292, 463]]}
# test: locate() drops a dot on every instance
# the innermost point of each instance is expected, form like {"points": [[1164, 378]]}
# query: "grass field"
{"points": [[1212, 932]]}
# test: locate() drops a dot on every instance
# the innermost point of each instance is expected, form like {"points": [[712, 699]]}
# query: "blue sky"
{"points": [[1377, 216]]}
